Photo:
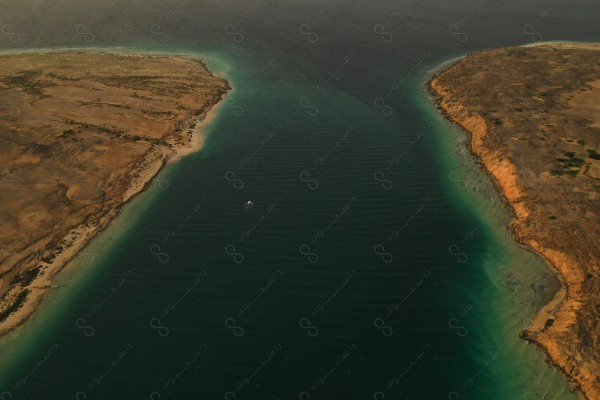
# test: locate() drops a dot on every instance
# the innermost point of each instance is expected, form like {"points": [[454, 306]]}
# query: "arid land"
{"points": [[81, 133], [533, 114]]}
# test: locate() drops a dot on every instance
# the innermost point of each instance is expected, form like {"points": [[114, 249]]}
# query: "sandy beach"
{"points": [[531, 113], [99, 124]]}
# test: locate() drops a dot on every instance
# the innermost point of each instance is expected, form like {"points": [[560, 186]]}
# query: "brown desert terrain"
{"points": [[81, 133], [533, 114]]}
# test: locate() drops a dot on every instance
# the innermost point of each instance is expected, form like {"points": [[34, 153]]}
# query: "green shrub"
{"points": [[577, 161], [593, 154]]}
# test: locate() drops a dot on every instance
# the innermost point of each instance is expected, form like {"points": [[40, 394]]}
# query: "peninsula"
{"points": [[533, 114], [81, 133]]}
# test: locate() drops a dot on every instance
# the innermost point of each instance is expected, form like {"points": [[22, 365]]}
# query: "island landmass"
{"points": [[533, 115], [81, 133]]}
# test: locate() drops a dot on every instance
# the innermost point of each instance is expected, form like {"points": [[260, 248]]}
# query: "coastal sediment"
{"points": [[84, 132], [533, 115]]}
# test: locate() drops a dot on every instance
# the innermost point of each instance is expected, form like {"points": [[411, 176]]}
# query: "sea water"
{"points": [[376, 262]]}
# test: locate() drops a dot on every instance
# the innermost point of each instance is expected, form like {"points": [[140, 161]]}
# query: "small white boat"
{"points": [[249, 204]]}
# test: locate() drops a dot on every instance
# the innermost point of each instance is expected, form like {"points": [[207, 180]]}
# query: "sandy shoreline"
{"points": [[198, 138], [139, 177], [505, 177]]}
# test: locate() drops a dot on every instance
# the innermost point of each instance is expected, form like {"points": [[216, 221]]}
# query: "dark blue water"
{"points": [[375, 262]]}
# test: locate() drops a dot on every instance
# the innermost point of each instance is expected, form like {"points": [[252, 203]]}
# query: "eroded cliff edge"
{"points": [[533, 114]]}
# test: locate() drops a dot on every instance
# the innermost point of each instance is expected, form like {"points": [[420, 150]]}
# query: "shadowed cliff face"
{"points": [[533, 116]]}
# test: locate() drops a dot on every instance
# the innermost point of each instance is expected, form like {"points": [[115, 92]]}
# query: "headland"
{"points": [[81, 133], [533, 115]]}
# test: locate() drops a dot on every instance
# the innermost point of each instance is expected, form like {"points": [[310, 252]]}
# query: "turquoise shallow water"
{"points": [[376, 262]]}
